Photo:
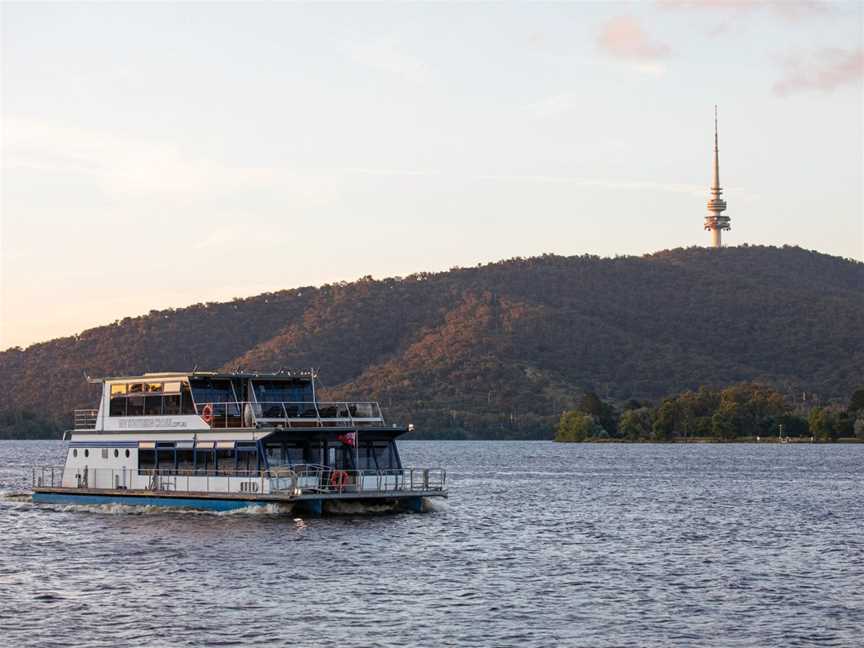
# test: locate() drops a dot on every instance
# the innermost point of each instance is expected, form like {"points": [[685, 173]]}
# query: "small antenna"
{"points": [[715, 127]]}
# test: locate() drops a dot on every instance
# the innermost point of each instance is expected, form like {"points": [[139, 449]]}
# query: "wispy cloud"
{"points": [[555, 105], [386, 56], [787, 9], [374, 171], [121, 164], [602, 183], [823, 70], [624, 38]]}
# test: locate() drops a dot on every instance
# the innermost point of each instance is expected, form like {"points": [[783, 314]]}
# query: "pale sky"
{"points": [[159, 155]]}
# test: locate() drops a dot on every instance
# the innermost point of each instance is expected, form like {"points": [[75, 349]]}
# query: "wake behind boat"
{"points": [[224, 441]]}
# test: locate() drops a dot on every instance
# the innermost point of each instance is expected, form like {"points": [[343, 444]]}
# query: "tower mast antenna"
{"points": [[716, 221]]}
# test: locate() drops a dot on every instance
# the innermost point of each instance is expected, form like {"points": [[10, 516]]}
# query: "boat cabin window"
{"points": [[377, 456], [289, 455], [184, 458], [151, 399], [283, 391], [146, 459], [208, 390], [374, 456], [247, 458]]}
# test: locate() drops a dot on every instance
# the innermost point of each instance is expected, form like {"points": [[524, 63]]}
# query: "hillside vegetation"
{"points": [[500, 350]]}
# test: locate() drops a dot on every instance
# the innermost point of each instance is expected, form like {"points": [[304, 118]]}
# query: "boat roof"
{"points": [[283, 374]]}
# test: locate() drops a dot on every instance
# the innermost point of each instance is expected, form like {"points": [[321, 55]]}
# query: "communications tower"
{"points": [[715, 221]]}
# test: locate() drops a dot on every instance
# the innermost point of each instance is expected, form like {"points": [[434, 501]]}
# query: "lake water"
{"points": [[539, 545]]}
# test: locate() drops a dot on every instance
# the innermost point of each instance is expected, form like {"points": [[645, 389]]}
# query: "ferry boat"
{"points": [[223, 441]]}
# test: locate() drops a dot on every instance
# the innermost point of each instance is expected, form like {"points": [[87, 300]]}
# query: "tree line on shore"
{"points": [[743, 410]]}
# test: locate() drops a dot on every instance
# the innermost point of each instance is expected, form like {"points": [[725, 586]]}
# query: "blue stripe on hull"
{"points": [[205, 504]]}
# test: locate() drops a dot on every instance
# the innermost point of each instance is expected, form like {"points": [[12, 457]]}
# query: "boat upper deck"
{"points": [[210, 400]]}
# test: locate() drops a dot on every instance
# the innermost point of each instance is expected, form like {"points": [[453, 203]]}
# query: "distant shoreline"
{"points": [[710, 440], [691, 441]]}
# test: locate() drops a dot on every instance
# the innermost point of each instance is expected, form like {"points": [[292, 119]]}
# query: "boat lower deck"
{"points": [[311, 504]]}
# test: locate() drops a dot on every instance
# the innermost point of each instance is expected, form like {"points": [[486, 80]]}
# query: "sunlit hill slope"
{"points": [[499, 350]]}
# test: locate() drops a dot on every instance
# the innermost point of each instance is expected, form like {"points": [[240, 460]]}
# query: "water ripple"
{"points": [[539, 545]]}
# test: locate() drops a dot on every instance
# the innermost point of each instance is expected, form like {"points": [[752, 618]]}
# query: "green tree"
{"points": [[821, 423], [576, 426], [725, 424], [792, 426], [636, 424], [752, 407], [664, 420], [602, 412]]}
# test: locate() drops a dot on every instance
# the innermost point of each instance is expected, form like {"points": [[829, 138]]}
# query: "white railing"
{"points": [[85, 419], [47, 476], [301, 480], [290, 414]]}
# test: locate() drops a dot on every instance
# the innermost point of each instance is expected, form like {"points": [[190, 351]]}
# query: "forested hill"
{"points": [[500, 349]]}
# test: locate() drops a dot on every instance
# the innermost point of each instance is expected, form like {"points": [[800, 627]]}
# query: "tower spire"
{"points": [[715, 221], [715, 186]]}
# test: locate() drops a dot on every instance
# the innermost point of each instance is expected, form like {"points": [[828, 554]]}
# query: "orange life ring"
{"points": [[207, 413], [339, 479]]}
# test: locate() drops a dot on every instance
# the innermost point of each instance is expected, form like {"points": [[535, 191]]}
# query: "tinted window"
{"points": [[247, 459], [383, 456], [171, 404], [118, 406], [185, 460], [206, 390], [166, 458], [225, 459], [153, 405], [146, 459], [203, 459], [135, 406], [283, 391]]}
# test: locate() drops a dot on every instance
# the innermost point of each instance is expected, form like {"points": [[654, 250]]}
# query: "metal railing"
{"points": [[247, 414], [326, 480], [85, 419], [47, 476], [238, 414], [300, 480]]}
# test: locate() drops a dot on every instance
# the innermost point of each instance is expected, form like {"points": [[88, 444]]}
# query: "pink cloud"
{"points": [[624, 38], [824, 70]]}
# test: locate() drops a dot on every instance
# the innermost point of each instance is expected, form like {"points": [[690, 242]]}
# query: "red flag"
{"points": [[348, 438]]}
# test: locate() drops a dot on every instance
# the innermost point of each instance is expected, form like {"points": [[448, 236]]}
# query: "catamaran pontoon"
{"points": [[231, 440]]}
